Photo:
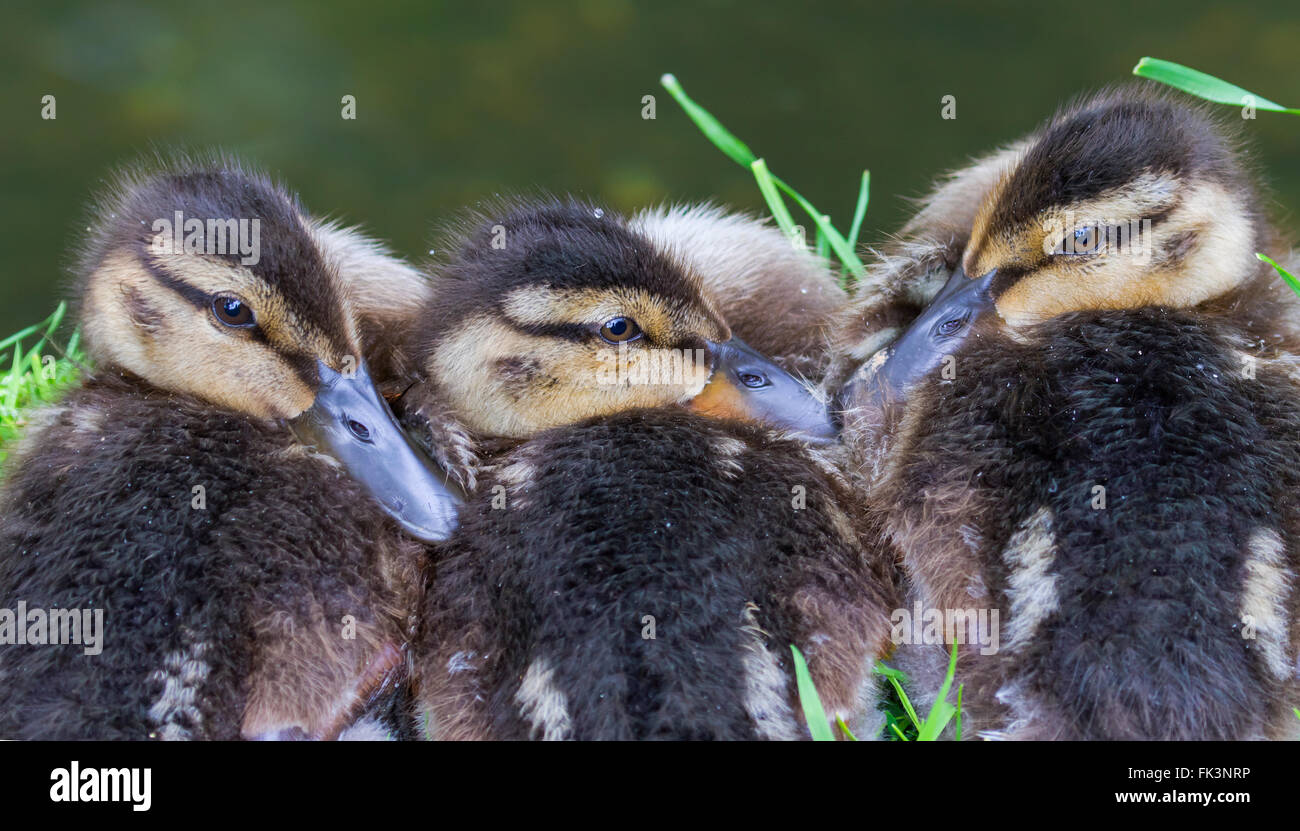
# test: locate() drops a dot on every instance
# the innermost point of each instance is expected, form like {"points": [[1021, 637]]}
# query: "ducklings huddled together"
{"points": [[591, 476]]}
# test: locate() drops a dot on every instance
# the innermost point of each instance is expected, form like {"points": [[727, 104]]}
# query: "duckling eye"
{"points": [[620, 330], [232, 311], [1082, 241]]}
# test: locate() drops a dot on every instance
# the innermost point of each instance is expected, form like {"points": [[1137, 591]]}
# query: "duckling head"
{"points": [[208, 280], [1130, 198], [551, 313]]}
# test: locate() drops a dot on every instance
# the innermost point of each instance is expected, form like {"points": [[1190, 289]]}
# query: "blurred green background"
{"points": [[459, 101]]}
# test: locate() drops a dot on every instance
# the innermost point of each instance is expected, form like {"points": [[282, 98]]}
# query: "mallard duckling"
{"points": [[1094, 435], [555, 312], [632, 569], [226, 487]]}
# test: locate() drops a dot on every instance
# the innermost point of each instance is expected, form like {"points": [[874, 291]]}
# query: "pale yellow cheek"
{"points": [[227, 370], [594, 382], [1221, 259], [180, 350], [562, 382], [1051, 292]]}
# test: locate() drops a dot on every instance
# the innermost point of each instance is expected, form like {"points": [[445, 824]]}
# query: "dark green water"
{"points": [[455, 102]]}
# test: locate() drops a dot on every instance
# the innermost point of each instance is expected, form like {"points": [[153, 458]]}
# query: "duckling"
{"points": [[626, 567], [504, 354], [1094, 435], [227, 487]]}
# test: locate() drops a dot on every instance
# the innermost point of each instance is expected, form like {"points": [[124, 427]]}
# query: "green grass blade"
{"points": [[727, 142], [38, 373], [721, 137], [823, 245], [1286, 275], [896, 680], [56, 318], [837, 242], [813, 713], [860, 212], [889, 672], [32, 375], [1203, 85], [941, 712], [845, 728], [957, 725], [33, 364], [774, 201], [14, 381], [25, 333], [49, 324]]}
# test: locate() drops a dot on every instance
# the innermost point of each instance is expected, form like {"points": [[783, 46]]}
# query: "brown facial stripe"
{"points": [[200, 299], [1005, 279], [580, 333], [659, 316], [303, 363], [575, 332], [1147, 195], [1179, 245], [1009, 272], [1157, 216], [194, 295], [264, 287], [143, 314]]}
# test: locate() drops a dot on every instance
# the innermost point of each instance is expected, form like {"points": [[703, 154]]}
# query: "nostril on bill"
{"points": [[359, 430], [952, 326]]}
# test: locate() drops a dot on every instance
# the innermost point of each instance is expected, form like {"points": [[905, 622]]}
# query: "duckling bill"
{"points": [[748, 386], [350, 421], [952, 317]]}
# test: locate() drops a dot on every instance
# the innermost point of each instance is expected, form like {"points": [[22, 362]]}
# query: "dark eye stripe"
{"points": [[1005, 279], [196, 296], [304, 366], [200, 299], [568, 331]]}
